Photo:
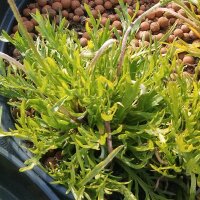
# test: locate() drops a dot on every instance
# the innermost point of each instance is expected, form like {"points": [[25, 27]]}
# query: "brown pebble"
{"points": [[130, 12], [105, 15], [144, 43], [197, 41], [144, 26], [16, 53], [181, 55], [66, 3], [75, 4], [159, 13], [151, 15], [91, 4], [112, 17], [34, 22], [86, 35], [108, 5], [142, 7], [42, 2], [71, 15], [46, 8], [117, 25], [185, 28], [114, 2], [34, 10], [57, 6], [120, 32], [168, 14], [163, 50], [32, 5], [95, 13], [29, 26], [98, 2], [65, 14], [188, 60], [24, 19], [178, 33], [144, 35], [171, 38], [163, 22], [139, 12], [135, 42], [179, 22], [51, 12], [100, 8], [193, 36], [169, 5], [26, 12], [117, 17], [79, 11], [104, 20], [175, 7], [172, 20], [186, 37], [159, 36], [154, 26], [15, 29], [129, 2], [83, 42], [76, 18]]}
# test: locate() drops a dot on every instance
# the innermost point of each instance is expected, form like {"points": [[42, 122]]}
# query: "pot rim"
{"points": [[31, 175]]}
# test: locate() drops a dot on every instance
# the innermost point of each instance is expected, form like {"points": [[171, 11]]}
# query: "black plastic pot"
{"points": [[14, 145], [23, 186]]}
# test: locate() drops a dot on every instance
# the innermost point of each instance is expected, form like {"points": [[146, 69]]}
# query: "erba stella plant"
{"points": [[125, 129]]}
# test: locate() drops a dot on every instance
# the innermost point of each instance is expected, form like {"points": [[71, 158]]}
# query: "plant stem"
{"points": [[179, 16], [188, 11], [99, 52], [159, 158], [24, 30], [12, 60], [124, 41], [109, 138], [158, 182], [63, 110]]}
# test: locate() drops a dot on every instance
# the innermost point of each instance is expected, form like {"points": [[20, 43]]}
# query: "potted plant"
{"points": [[123, 127]]}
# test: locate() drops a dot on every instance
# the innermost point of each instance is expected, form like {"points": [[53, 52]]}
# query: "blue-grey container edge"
{"points": [[12, 165]]}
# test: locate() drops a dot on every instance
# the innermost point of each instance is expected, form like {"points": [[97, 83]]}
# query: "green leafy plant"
{"points": [[125, 128]]}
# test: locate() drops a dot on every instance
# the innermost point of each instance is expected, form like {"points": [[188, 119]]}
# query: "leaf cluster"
{"points": [[150, 119]]}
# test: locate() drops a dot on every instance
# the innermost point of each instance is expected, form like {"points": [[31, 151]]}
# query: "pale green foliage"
{"points": [[154, 120]]}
